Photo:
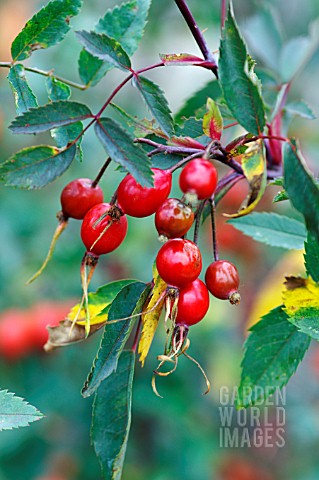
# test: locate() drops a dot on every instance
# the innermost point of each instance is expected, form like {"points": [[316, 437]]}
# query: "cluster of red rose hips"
{"points": [[179, 261]]}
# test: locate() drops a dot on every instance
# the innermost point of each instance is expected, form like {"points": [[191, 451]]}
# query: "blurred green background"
{"points": [[176, 437]]}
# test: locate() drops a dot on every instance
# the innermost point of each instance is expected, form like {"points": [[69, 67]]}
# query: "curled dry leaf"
{"points": [[64, 334]]}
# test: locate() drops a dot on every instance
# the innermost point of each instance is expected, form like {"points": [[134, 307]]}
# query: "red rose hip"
{"points": [[174, 218], [179, 262], [222, 280], [103, 236], [198, 177], [78, 196], [138, 201], [193, 303]]}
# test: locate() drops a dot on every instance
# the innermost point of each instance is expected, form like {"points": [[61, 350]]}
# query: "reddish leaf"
{"points": [[213, 121], [185, 59], [187, 142]]}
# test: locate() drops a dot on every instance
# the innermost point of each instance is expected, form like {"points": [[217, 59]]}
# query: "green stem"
{"points": [[46, 74]]}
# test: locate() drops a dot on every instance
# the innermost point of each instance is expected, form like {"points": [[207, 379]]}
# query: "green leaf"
{"points": [[57, 90], [46, 28], [191, 127], [24, 98], [198, 99], [156, 102], [125, 23], [306, 321], [312, 257], [272, 229], [301, 187], [111, 417], [128, 302], [213, 121], [263, 33], [35, 167], [99, 303], [280, 196], [301, 304], [273, 351], [66, 134], [240, 90], [119, 146], [105, 48], [49, 116], [293, 56], [301, 108], [136, 126], [16, 412], [92, 69]]}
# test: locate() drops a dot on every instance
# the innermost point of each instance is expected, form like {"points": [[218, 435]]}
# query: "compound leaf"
{"points": [[125, 23]]}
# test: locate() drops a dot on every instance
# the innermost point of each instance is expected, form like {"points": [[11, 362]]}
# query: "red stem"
{"points": [[231, 125], [137, 333], [197, 34], [223, 13], [101, 172], [213, 223], [110, 98]]}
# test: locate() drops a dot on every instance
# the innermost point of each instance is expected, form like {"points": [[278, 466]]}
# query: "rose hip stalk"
{"points": [[77, 197], [185, 307]]}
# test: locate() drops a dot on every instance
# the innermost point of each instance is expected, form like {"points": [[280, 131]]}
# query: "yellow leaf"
{"points": [[254, 167], [269, 294], [300, 293], [151, 318], [94, 314], [98, 302]]}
